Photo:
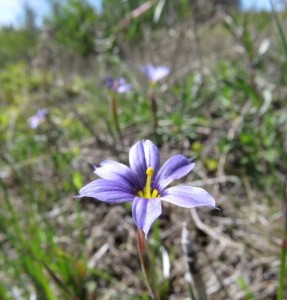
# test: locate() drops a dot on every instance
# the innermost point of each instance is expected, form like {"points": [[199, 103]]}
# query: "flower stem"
{"points": [[154, 112], [146, 265], [115, 115]]}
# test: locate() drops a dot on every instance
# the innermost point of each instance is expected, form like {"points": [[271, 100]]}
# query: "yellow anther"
{"points": [[154, 193]]}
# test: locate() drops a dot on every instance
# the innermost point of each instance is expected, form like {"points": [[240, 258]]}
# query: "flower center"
{"points": [[148, 192]]}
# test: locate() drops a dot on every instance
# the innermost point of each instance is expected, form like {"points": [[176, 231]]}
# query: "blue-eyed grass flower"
{"points": [[145, 184]]}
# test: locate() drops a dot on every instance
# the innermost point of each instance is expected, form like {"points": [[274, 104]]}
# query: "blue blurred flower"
{"points": [[155, 73], [38, 118], [145, 184], [119, 85]]}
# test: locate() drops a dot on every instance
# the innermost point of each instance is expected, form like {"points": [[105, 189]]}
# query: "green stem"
{"points": [[280, 292], [146, 265], [115, 115], [282, 272], [279, 27], [154, 112]]}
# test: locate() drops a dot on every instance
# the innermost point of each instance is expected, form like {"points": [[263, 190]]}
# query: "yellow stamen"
{"points": [[147, 188], [148, 192]]}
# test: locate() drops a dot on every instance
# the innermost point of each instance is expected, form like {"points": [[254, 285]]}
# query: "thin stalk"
{"points": [[281, 35], [115, 115], [279, 28], [154, 112], [146, 265], [282, 272], [110, 130], [153, 106]]}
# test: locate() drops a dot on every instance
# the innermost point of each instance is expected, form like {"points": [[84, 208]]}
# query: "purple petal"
{"points": [[112, 170], [142, 155], [38, 118], [145, 212], [34, 122], [174, 168], [159, 73], [151, 155], [124, 88], [119, 85], [188, 196], [155, 73], [109, 82], [148, 71], [41, 113], [108, 191]]}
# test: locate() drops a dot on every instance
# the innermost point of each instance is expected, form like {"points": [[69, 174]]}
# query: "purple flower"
{"points": [[145, 184], [38, 118], [155, 73], [119, 85]]}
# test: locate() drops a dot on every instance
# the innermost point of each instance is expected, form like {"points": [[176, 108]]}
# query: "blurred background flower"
{"points": [[119, 85], [38, 118], [155, 73]]}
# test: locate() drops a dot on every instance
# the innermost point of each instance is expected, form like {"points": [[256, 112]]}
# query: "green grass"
{"points": [[230, 114]]}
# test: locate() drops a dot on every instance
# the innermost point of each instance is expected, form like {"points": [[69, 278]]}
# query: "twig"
{"points": [[98, 255], [219, 236], [134, 14]]}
